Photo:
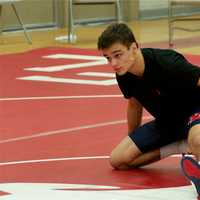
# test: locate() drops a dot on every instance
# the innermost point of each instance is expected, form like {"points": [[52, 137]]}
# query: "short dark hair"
{"points": [[116, 32]]}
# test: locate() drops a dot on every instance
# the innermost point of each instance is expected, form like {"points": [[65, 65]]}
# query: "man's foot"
{"points": [[191, 169]]}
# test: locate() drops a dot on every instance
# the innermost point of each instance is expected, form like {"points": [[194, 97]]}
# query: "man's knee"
{"points": [[194, 136], [196, 141], [124, 154], [123, 159], [120, 161]]}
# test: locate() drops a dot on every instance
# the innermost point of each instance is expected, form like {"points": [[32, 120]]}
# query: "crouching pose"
{"points": [[168, 86]]}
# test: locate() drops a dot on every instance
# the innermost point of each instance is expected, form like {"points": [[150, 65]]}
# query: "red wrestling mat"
{"points": [[61, 115]]}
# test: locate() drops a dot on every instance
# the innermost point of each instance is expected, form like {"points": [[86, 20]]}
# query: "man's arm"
{"points": [[134, 114]]}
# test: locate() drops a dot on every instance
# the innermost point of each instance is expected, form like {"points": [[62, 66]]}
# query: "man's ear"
{"points": [[134, 47]]}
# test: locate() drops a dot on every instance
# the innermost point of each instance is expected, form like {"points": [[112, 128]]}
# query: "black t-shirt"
{"points": [[168, 88]]}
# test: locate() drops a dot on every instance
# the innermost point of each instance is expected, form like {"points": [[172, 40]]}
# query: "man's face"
{"points": [[121, 58]]}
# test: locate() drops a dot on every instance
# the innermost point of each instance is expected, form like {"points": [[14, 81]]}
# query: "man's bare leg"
{"points": [[127, 155]]}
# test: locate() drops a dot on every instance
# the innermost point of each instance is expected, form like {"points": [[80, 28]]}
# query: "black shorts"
{"points": [[151, 135]]}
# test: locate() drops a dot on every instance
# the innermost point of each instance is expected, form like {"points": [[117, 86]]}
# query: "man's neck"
{"points": [[139, 65]]}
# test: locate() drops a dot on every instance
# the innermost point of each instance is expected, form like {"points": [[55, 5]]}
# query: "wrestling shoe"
{"points": [[191, 169]]}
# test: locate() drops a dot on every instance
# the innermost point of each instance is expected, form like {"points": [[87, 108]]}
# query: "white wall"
{"points": [[152, 4], [152, 9]]}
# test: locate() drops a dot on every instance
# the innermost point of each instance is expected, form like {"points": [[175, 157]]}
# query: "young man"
{"points": [[168, 87]]}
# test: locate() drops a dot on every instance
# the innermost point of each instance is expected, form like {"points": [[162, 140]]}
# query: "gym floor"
{"points": [[56, 135]]}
